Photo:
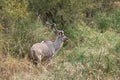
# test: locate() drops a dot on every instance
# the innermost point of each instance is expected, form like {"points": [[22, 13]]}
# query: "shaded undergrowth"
{"points": [[92, 55]]}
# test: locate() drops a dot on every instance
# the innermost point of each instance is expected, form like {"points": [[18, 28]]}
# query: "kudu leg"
{"points": [[40, 64], [48, 62]]}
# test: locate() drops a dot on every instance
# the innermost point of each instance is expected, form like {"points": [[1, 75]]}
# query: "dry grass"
{"points": [[59, 69], [9, 67], [90, 55], [95, 58]]}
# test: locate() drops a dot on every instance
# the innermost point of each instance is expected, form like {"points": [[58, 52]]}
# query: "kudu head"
{"points": [[60, 33]]}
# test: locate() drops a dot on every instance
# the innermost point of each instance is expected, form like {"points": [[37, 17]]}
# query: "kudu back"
{"points": [[47, 49]]}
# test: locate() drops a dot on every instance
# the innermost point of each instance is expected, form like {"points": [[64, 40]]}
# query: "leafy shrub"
{"points": [[117, 47], [109, 20]]}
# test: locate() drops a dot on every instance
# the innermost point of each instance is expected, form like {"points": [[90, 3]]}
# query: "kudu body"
{"points": [[47, 49]]}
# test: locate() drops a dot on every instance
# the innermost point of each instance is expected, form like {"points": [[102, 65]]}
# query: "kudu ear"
{"points": [[60, 33]]}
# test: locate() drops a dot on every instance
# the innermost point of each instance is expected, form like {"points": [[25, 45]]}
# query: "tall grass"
{"points": [[108, 20], [92, 60], [88, 54], [22, 36]]}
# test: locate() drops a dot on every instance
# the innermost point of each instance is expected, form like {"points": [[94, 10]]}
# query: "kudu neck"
{"points": [[58, 43]]}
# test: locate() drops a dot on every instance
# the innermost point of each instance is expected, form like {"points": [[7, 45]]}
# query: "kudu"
{"points": [[47, 49]]}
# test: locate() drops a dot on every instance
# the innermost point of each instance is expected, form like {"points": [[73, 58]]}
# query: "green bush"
{"points": [[117, 48], [109, 20], [23, 35]]}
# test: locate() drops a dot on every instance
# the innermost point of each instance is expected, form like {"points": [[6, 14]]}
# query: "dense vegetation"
{"points": [[91, 53]]}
